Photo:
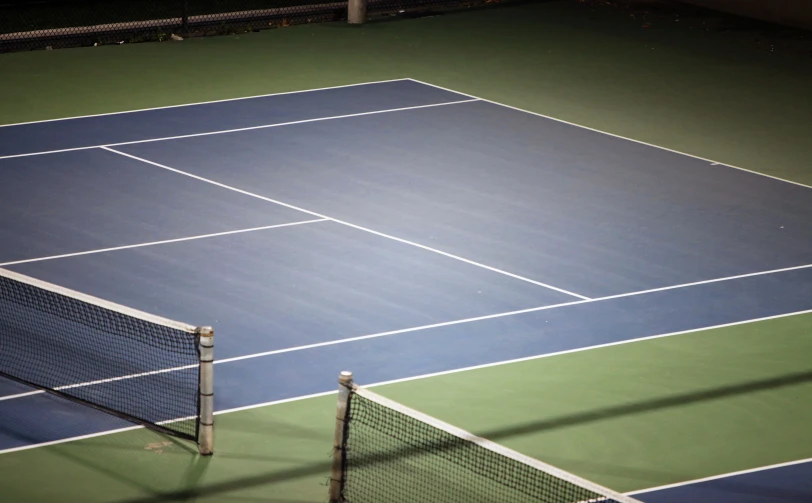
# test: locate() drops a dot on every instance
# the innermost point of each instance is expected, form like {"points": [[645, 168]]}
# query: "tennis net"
{"points": [[142, 368], [385, 451]]}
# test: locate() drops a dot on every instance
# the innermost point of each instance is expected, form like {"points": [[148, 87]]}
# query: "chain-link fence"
{"points": [[51, 24]]}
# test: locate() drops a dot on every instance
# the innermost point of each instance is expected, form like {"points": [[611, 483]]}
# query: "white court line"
{"points": [[397, 332], [205, 102], [21, 395], [722, 476], [342, 222], [104, 381], [237, 130], [610, 134], [165, 241], [72, 439]]}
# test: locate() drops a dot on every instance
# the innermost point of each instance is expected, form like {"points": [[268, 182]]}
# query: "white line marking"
{"points": [[425, 376], [707, 281], [20, 395], [121, 378], [104, 304], [72, 439], [342, 222], [104, 381], [394, 332], [237, 130], [462, 259], [205, 102], [463, 321], [275, 402], [610, 134], [165, 241], [723, 475]]}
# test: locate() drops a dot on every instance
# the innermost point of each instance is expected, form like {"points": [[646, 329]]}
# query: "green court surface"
{"points": [[630, 416]]}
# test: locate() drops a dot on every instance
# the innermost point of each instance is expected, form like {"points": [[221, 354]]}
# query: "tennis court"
{"points": [[419, 235]]}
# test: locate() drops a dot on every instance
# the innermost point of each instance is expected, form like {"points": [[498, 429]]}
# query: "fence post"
{"points": [[356, 11]]}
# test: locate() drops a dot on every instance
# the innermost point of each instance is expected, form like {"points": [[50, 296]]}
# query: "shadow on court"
{"points": [[195, 473], [652, 405], [71, 454], [223, 488]]}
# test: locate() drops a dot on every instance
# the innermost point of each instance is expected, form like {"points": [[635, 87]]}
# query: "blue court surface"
{"points": [[397, 229]]}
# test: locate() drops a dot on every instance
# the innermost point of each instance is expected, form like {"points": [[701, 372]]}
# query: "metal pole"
{"points": [[337, 476], [206, 442], [356, 11]]}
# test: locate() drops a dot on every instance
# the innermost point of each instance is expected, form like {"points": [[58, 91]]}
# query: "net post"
{"points": [[206, 441], [356, 11], [337, 476]]}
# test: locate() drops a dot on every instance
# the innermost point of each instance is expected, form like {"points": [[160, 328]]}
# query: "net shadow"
{"points": [[323, 468], [719, 393]]}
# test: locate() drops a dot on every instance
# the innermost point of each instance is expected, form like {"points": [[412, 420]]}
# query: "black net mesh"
{"points": [[51, 24], [141, 371], [391, 456]]}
